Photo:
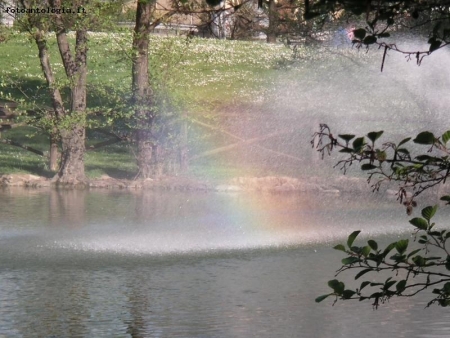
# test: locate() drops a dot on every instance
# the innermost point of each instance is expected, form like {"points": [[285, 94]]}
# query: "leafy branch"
{"points": [[418, 269], [391, 161]]}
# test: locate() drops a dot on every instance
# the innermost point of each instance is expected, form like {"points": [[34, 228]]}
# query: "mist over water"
{"points": [[149, 264], [65, 224], [345, 89]]}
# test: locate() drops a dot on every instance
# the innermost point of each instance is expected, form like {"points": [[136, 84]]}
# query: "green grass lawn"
{"points": [[203, 70]]}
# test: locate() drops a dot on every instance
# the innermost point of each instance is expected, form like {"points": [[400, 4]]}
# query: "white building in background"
{"points": [[7, 19]]}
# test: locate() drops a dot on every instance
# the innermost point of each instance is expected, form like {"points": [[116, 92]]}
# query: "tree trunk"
{"points": [[142, 98], [71, 170], [57, 102], [73, 136], [144, 153], [273, 22], [54, 152]]}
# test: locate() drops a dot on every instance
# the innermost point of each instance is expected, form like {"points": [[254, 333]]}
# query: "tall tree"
{"points": [[72, 133], [152, 127], [142, 94], [272, 30], [69, 121]]}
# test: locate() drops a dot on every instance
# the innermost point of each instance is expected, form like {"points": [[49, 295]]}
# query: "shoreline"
{"points": [[274, 184]]}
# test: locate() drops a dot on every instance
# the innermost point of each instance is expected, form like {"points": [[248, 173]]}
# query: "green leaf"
{"points": [[419, 260], [373, 244], [428, 212], [358, 144], [346, 137], [388, 284], [361, 273], [447, 263], [403, 151], [321, 298], [370, 40], [359, 33], [419, 223], [365, 251], [350, 260], [363, 285], [404, 141], [368, 166], [413, 252], [435, 45], [352, 237], [423, 158], [374, 135], [346, 150], [337, 286], [446, 287], [398, 258], [425, 137], [401, 286], [401, 246], [384, 35], [444, 302], [446, 198], [347, 294], [389, 248], [433, 258], [339, 247], [445, 137]]}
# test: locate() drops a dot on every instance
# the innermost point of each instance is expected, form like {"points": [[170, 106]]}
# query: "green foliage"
{"points": [[390, 161], [374, 135], [425, 138], [413, 266], [359, 33], [369, 40]]}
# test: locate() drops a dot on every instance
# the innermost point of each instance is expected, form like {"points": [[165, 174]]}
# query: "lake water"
{"points": [[147, 264]]}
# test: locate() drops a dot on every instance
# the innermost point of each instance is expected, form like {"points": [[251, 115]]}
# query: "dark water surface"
{"points": [[146, 264]]}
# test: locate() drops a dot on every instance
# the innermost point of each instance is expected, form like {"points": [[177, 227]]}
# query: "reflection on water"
{"points": [[145, 264]]}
